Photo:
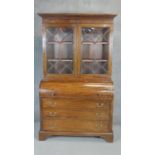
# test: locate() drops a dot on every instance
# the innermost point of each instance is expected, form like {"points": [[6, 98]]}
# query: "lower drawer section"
{"points": [[77, 103], [76, 125], [76, 114]]}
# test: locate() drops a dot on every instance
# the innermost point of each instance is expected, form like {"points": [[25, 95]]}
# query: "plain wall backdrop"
{"points": [[78, 6]]}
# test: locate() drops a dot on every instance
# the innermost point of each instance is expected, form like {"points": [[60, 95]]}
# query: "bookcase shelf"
{"points": [[59, 42], [92, 43], [91, 60], [63, 60]]}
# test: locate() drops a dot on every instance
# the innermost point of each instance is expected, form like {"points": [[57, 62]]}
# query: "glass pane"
{"points": [[59, 48], [94, 50], [95, 34], [93, 67]]}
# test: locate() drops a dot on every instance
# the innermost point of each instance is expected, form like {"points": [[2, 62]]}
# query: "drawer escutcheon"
{"points": [[98, 105]]}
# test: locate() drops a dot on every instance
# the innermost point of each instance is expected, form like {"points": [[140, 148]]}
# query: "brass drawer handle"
{"points": [[98, 114], [99, 125], [52, 104], [99, 104], [52, 114], [52, 126]]}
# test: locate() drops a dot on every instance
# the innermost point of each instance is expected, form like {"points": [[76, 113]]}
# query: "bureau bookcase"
{"points": [[76, 92]]}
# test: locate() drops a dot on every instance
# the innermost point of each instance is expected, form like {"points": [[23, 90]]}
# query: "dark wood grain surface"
{"points": [[76, 104]]}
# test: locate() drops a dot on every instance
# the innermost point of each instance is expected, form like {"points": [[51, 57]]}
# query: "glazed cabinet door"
{"points": [[59, 49], [95, 50]]}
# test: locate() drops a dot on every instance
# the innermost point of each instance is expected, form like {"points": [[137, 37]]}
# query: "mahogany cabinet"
{"points": [[76, 93]]}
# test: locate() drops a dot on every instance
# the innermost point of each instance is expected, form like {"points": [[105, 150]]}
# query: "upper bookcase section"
{"points": [[77, 46]]}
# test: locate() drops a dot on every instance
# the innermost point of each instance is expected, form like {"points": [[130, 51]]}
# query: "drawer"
{"points": [[76, 125], [68, 114], [76, 89], [75, 103]]}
